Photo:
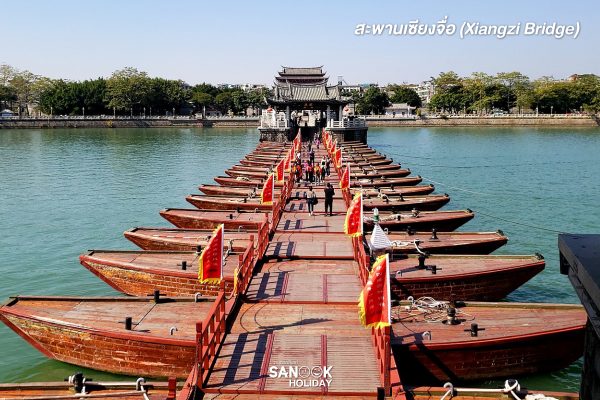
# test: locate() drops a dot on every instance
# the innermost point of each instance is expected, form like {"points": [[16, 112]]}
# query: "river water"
{"points": [[65, 191]]}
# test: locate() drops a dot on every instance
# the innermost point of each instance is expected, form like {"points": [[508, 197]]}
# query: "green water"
{"points": [[65, 191]]}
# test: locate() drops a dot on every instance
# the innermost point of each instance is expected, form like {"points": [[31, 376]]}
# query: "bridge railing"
{"points": [[347, 123]]}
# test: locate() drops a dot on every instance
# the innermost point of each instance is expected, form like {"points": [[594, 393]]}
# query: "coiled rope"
{"points": [[511, 386]]}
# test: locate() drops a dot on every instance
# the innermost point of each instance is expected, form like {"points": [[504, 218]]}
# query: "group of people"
{"points": [[315, 172]]}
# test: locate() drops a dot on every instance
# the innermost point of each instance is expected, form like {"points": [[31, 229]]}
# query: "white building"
{"points": [[425, 90], [400, 110]]}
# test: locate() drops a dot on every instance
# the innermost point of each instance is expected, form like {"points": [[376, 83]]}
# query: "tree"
{"points": [[405, 94], [7, 96], [224, 101], [127, 88], [373, 101], [201, 99], [23, 85]]}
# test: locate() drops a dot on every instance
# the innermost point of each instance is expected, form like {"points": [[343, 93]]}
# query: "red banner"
{"points": [[280, 170], [287, 162], [266, 195], [210, 269], [374, 308], [345, 180], [353, 225], [337, 157]]}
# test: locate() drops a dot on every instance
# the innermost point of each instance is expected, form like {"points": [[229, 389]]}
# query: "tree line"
{"points": [[480, 93], [126, 92], [130, 91]]}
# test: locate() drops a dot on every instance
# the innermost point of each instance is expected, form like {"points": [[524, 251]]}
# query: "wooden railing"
{"points": [[347, 123], [381, 341], [245, 267], [263, 239], [209, 336], [381, 337]]}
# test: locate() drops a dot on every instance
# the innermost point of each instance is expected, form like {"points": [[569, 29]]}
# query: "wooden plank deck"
{"points": [[300, 310], [309, 245]]}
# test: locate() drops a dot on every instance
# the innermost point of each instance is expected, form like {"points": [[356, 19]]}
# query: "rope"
{"points": [[429, 310], [519, 223], [457, 188]]}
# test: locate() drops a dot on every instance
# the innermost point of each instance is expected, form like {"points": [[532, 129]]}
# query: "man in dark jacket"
{"points": [[329, 193]]}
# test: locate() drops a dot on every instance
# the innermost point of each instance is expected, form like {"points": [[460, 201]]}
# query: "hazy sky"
{"points": [[248, 41]]}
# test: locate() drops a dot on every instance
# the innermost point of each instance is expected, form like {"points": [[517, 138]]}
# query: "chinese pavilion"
{"points": [[303, 100]]}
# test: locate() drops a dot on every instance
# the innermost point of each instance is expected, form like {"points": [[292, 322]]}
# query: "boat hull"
{"points": [[441, 222], [493, 360], [118, 353]]}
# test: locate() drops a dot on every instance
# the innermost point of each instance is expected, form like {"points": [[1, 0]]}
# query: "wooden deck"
{"points": [[309, 245], [300, 311]]}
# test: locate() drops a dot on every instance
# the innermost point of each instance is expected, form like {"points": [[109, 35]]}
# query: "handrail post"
{"points": [[199, 351]]}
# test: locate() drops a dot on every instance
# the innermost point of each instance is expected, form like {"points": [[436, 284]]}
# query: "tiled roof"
{"points": [[302, 71], [297, 92]]}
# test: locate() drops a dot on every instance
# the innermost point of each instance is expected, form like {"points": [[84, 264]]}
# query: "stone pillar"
{"points": [[340, 115], [328, 114]]}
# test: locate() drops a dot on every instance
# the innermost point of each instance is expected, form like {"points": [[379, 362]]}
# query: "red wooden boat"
{"points": [[425, 203], [218, 190], [369, 163], [484, 340], [173, 273], [250, 168], [227, 203], [417, 190], [210, 219], [443, 221], [461, 277], [244, 181], [78, 386], [446, 242], [392, 182], [254, 163], [187, 239], [121, 335], [376, 174], [262, 157], [234, 173], [387, 167]]}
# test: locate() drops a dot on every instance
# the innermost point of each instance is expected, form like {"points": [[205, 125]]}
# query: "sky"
{"points": [[248, 41]]}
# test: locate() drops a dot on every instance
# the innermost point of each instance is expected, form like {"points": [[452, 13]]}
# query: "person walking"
{"points": [[328, 165], [311, 200], [311, 156], [329, 193], [317, 174], [311, 173]]}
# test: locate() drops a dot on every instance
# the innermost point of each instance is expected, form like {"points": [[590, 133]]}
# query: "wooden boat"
{"points": [[250, 168], [446, 242], [417, 190], [234, 173], [254, 163], [424, 203], [244, 181], [462, 277], [173, 273], [78, 386], [387, 167], [484, 340], [443, 221], [210, 219], [392, 182], [399, 173], [259, 157], [187, 239], [218, 190], [366, 163], [227, 203], [121, 335]]}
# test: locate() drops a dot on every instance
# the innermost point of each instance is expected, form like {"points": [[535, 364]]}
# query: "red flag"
{"points": [[374, 308], [280, 170], [345, 181], [337, 157], [210, 269], [287, 162], [353, 225], [266, 195]]}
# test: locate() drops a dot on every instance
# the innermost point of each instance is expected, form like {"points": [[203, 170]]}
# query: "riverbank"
{"points": [[253, 122]]}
